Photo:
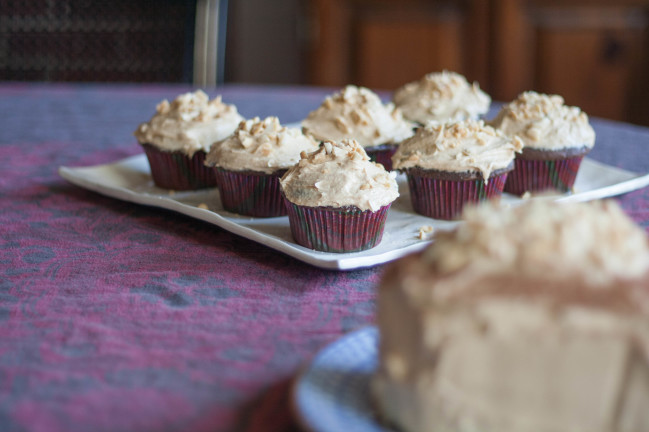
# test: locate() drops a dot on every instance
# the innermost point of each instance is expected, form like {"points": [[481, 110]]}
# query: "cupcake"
{"points": [[449, 165], [249, 163], [529, 319], [358, 113], [441, 97], [556, 138], [179, 136], [337, 199]]}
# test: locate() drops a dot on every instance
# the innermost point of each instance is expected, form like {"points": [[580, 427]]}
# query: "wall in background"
{"points": [[265, 42]]}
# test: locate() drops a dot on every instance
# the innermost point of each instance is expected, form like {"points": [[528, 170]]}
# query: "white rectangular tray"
{"points": [[130, 180]]}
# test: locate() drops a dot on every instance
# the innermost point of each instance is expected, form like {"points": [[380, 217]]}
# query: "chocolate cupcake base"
{"points": [[251, 193], [330, 229], [177, 171], [443, 195], [545, 170]]}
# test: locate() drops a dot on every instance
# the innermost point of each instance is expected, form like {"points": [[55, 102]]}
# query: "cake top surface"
{"points": [[260, 145], [191, 122], [467, 145], [595, 244], [441, 97], [357, 113], [339, 174], [545, 122]]}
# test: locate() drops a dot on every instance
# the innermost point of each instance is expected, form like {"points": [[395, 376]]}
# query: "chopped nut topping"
{"points": [[340, 124], [163, 107], [247, 141], [355, 116], [414, 157], [265, 149], [425, 232], [257, 128]]}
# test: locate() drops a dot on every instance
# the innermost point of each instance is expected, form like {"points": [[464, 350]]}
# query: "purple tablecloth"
{"points": [[119, 317]]}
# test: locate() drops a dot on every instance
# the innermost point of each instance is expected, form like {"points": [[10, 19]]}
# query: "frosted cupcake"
{"points": [[249, 164], [441, 97], [358, 113], [337, 199], [450, 165], [529, 319], [556, 139], [180, 134]]}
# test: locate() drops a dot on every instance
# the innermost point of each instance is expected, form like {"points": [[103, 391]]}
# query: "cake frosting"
{"points": [[468, 145], [357, 113], [596, 243], [544, 122], [441, 97], [339, 174], [533, 319], [260, 145], [190, 123]]}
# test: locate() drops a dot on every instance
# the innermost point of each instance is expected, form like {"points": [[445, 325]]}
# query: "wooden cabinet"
{"points": [[594, 53], [383, 42]]}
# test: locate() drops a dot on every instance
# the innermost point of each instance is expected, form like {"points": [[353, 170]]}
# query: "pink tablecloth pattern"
{"points": [[118, 317]]}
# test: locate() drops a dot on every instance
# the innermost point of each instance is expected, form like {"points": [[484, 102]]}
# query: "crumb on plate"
{"points": [[425, 232]]}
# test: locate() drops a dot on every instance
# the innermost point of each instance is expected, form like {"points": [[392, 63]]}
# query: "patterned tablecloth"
{"points": [[119, 317]]}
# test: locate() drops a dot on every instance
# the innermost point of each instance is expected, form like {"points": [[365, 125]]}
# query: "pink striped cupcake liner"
{"points": [[251, 194], [346, 229], [177, 171], [444, 199], [540, 175], [382, 156]]}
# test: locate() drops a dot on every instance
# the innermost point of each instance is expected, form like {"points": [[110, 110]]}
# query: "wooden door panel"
{"points": [[393, 53], [588, 68], [590, 52], [386, 43]]}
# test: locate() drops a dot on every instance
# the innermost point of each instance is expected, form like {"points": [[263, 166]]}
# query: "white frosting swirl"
{"points": [[544, 122], [441, 97], [190, 123], [357, 113], [260, 145], [339, 174], [468, 145], [594, 242]]}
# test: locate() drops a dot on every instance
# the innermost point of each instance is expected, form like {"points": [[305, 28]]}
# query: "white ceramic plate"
{"points": [[332, 394], [130, 180]]}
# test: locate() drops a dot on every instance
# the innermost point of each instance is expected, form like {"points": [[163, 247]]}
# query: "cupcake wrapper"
{"points": [[384, 156], [177, 171], [539, 175], [250, 194], [444, 199], [336, 230]]}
